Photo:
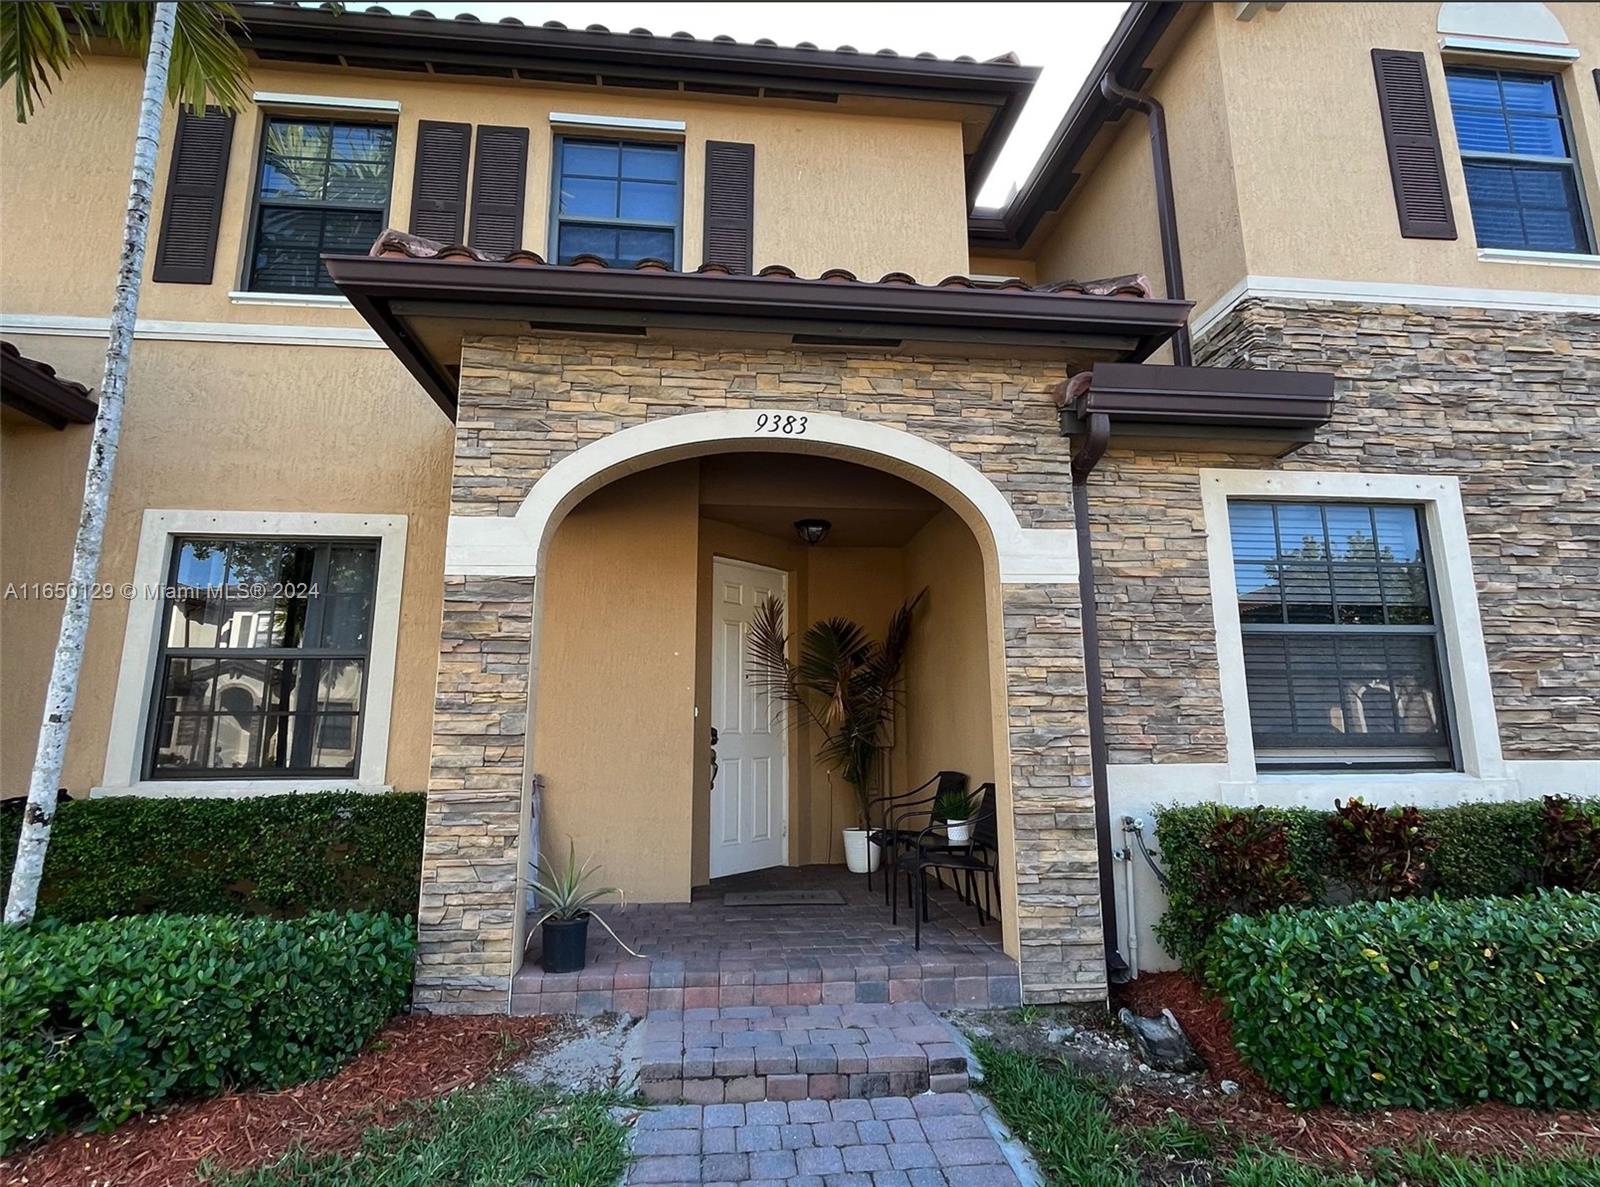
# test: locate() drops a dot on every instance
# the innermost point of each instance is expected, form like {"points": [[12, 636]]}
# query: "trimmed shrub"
{"points": [[1419, 1002], [1470, 850], [278, 855], [100, 1021], [1379, 852]]}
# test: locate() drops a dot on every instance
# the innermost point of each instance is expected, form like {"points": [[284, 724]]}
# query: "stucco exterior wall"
{"points": [[614, 726], [834, 188], [1314, 192], [231, 427], [1279, 162], [1107, 226]]}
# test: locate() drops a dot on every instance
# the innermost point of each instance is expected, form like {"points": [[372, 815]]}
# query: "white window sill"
{"points": [[1554, 259], [1422, 788], [233, 789], [302, 300]]}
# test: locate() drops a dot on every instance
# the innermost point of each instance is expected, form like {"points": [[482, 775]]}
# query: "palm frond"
{"points": [[36, 47], [40, 42]]}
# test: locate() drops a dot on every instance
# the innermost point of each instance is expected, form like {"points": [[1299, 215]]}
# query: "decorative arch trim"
{"points": [[1526, 29], [513, 546]]}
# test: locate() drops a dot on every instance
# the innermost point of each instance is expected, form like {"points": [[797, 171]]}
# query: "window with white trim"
{"points": [[1517, 151], [1343, 649], [264, 651]]}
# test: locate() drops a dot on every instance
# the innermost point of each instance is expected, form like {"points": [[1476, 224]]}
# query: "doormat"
{"points": [[784, 898]]}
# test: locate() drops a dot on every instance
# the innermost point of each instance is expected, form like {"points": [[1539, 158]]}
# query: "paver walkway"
{"points": [[893, 1141]]}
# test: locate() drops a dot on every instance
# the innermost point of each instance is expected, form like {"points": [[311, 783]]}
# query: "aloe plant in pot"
{"points": [[848, 687], [566, 904], [956, 806]]}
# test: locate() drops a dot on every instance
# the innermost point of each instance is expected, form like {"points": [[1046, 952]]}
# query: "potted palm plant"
{"points": [[848, 686], [566, 904], [955, 806]]}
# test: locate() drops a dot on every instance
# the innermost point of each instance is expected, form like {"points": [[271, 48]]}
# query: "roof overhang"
{"points": [[597, 57], [1132, 44], [1262, 411], [33, 389], [423, 308]]}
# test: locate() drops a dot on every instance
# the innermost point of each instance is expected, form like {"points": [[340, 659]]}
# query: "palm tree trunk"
{"points": [[62, 694]]}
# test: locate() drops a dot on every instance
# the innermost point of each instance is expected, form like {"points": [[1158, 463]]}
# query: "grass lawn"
{"points": [[1064, 1117], [504, 1133]]}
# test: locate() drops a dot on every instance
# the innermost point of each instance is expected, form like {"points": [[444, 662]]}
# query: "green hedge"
{"points": [[1482, 849], [1419, 1002], [275, 855], [100, 1021]]}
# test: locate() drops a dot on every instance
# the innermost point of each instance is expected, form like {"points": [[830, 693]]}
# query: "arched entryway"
{"points": [[504, 593]]}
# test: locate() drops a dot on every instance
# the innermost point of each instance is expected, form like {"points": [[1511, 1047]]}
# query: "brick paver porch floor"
{"points": [[707, 953]]}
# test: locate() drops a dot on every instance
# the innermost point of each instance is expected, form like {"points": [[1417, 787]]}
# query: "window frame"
{"points": [[123, 772], [258, 160], [1484, 768], [1352, 760], [302, 737], [557, 143], [1563, 116]]}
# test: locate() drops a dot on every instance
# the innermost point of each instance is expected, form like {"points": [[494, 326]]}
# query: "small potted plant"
{"points": [[566, 905], [955, 806]]}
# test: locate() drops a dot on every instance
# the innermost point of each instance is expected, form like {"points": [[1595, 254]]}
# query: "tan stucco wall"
{"points": [[1108, 225], [948, 704], [1279, 164], [833, 189], [613, 728], [219, 427], [1314, 187]]}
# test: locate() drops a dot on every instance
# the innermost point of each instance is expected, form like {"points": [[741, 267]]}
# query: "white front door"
{"points": [[750, 794]]}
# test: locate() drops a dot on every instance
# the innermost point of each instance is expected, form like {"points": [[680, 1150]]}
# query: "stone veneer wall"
{"points": [[1508, 401], [525, 404]]}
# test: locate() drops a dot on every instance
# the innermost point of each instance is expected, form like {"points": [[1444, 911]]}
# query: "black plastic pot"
{"points": [[566, 942]]}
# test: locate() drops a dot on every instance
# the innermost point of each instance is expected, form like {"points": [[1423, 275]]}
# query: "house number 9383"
{"points": [[779, 422]]}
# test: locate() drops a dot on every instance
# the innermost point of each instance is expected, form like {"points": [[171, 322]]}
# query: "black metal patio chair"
{"points": [[895, 815], [979, 856]]}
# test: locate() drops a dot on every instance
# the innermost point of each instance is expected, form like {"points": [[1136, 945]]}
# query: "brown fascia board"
{"points": [[375, 284], [1046, 188], [1219, 396], [31, 389], [535, 52]]}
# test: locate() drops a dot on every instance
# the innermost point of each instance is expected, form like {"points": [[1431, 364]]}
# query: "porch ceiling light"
{"points": [[812, 531]]}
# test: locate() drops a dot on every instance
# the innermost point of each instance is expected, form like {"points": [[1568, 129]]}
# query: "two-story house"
{"points": [[516, 365]]}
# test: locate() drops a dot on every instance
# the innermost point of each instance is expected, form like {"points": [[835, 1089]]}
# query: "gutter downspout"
{"points": [[1166, 205], [1084, 461]]}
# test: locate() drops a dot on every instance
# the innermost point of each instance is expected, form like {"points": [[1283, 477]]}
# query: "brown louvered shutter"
{"points": [[730, 204], [499, 184], [186, 249], [439, 185], [1416, 164]]}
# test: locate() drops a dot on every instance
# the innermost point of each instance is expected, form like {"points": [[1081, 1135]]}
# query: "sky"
{"points": [[1062, 38]]}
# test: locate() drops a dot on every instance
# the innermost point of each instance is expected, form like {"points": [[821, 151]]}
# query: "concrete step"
{"points": [[736, 1054]]}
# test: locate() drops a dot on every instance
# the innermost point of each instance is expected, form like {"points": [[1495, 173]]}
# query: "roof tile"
{"points": [[400, 244]]}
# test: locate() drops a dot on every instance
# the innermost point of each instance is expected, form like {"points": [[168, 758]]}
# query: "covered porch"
{"points": [[722, 950]]}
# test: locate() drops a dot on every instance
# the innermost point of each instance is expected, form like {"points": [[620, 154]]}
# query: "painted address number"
{"points": [[777, 422]]}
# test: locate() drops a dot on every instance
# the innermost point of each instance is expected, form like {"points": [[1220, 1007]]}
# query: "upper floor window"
{"points": [[322, 186], [1342, 643], [1517, 150], [619, 200], [265, 646]]}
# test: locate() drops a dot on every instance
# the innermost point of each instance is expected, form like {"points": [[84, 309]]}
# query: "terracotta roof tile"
{"points": [[403, 245]]}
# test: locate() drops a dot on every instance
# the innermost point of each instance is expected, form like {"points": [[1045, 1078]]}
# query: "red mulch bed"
{"points": [[412, 1061], [1327, 1135]]}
